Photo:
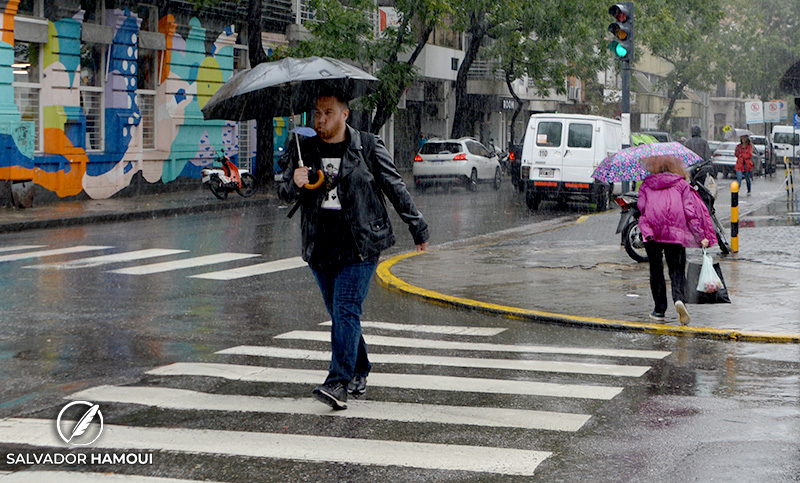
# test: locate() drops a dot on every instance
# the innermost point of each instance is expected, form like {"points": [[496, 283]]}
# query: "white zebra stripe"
{"points": [[183, 264], [39, 433], [403, 381], [50, 253], [432, 329], [20, 247], [510, 364], [252, 270], [107, 259], [377, 410], [378, 340]]}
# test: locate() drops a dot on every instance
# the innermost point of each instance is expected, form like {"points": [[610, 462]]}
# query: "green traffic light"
{"points": [[620, 51]]}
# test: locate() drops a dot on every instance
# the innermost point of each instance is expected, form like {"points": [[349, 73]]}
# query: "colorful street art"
{"points": [[190, 70]]}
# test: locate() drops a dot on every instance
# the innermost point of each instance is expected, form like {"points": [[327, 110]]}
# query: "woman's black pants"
{"points": [[676, 263]]}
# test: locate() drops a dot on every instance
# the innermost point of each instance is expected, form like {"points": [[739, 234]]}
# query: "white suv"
{"points": [[462, 161]]}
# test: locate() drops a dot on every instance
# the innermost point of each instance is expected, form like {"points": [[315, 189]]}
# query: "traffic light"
{"points": [[622, 30]]}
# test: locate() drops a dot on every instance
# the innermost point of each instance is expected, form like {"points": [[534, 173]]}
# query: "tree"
{"points": [[345, 30], [685, 33], [762, 40], [545, 41]]}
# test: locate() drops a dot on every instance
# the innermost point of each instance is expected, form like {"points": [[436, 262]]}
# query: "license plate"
{"points": [[546, 172]]}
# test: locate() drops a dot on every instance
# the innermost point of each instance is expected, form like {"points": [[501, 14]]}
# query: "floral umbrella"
{"points": [[626, 164]]}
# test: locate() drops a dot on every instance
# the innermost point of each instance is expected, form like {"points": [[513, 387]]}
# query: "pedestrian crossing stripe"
{"points": [[108, 259], [402, 381], [183, 263], [53, 252], [432, 329], [252, 270], [412, 359], [296, 447], [15, 248], [378, 340], [183, 399], [84, 477]]}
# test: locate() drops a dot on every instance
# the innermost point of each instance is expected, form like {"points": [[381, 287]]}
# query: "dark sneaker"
{"points": [[658, 317], [357, 386], [683, 314], [333, 394]]}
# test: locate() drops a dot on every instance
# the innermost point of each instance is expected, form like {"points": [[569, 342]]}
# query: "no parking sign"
{"points": [[754, 112]]}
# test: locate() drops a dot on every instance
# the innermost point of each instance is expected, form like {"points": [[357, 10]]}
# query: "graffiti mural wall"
{"points": [[93, 117]]}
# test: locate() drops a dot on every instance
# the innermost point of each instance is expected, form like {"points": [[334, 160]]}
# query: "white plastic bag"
{"points": [[708, 281]]}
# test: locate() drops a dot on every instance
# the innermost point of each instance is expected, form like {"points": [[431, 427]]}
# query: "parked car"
{"points": [[462, 161], [766, 152], [713, 145], [786, 141], [724, 159]]}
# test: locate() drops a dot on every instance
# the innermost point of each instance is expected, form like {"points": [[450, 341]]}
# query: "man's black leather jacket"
{"points": [[359, 192]]}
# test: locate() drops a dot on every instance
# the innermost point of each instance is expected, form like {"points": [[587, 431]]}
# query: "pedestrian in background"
{"points": [[422, 140], [673, 217], [345, 226], [699, 145], [744, 161]]}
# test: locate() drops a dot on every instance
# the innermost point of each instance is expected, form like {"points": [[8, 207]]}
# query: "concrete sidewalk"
{"points": [[574, 271]]}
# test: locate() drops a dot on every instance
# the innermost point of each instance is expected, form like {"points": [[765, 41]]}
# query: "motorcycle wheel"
{"points": [[248, 188], [217, 189], [634, 244], [722, 239]]}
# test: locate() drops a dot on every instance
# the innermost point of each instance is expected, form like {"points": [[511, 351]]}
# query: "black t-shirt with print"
{"points": [[334, 245]]}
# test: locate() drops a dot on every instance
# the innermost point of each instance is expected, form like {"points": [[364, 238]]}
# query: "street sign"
{"points": [[754, 113], [784, 109], [727, 128], [796, 121], [772, 111]]}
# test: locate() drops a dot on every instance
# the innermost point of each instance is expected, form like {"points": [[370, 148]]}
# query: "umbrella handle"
{"points": [[318, 183]]}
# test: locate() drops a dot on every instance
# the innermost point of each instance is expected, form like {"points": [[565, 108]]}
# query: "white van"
{"points": [[786, 142], [560, 154]]}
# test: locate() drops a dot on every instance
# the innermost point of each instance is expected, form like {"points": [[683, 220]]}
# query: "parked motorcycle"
{"points": [[702, 180], [222, 181]]}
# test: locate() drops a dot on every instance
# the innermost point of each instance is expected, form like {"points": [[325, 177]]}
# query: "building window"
{"points": [[146, 95], [91, 89], [27, 85], [32, 8]]}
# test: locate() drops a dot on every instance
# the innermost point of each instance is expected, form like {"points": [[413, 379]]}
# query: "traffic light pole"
{"points": [[626, 111]]}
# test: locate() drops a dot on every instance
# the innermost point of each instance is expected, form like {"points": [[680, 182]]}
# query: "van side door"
{"points": [[579, 154]]}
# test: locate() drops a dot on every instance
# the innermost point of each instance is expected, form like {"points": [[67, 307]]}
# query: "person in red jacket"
{"points": [[744, 161], [673, 217]]}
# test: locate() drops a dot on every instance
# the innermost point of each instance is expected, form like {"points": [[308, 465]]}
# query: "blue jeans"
{"points": [[739, 179], [344, 293]]}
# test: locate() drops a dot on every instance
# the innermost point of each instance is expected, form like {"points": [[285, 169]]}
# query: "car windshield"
{"points": [[758, 140], [727, 147], [433, 147], [787, 138]]}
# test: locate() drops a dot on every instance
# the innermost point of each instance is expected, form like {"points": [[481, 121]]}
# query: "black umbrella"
{"points": [[286, 87]]}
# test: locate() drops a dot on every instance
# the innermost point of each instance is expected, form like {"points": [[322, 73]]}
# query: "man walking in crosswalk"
{"points": [[345, 226]]}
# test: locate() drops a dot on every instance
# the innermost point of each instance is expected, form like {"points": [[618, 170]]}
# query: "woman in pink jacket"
{"points": [[673, 218]]}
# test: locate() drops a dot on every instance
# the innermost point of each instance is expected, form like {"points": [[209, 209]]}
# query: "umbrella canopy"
{"points": [[626, 164], [286, 87], [737, 133]]}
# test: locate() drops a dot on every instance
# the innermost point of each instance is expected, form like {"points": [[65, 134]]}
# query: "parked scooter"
{"points": [[702, 180], [222, 181]]}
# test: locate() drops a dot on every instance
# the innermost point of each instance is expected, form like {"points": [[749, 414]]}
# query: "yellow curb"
{"points": [[388, 280]]}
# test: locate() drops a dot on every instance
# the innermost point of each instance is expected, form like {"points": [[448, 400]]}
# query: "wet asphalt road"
{"points": [[710, 411]]}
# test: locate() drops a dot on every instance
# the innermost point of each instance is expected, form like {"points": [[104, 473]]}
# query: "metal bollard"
{"points": [[789, 181], [734, 217]]}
